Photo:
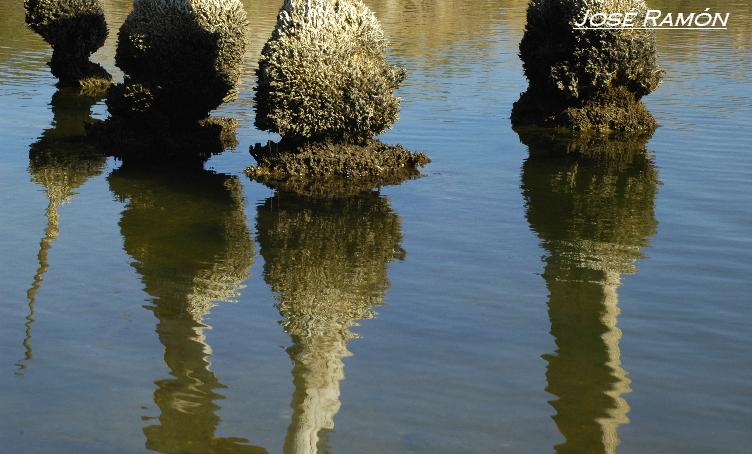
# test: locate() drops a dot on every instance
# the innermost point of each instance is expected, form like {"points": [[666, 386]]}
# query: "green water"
{"points": [[512, 300]]}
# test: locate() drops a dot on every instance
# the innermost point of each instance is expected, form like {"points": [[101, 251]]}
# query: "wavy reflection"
{"points": [[188, 236], [593, 214], [327, 261], [60, 161]]}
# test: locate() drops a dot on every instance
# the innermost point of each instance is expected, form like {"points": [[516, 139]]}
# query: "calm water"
{"points": [[510, 301]]}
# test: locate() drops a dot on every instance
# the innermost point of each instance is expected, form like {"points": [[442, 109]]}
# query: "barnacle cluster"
{"points": [[181, 59], [325, 85], [75, 29], [324, 73], [586, 79], [330, 169]]}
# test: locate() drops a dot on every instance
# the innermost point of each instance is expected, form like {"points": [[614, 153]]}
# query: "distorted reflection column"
{"points": [[593, 214], [327, 261], [61, 161], [188, 236]]}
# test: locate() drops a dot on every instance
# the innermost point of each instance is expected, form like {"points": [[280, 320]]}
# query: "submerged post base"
{"points": [[191, 144], [616, 149], [92, 79], [615, 111], [325, 169]]}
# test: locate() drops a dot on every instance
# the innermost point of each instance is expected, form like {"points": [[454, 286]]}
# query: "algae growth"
{"points": [[329, 169]]}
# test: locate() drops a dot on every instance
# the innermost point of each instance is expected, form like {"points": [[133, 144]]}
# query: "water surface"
{"points": [[513, 300]]}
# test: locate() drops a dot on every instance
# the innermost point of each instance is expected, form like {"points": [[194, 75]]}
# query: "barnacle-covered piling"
{"points": [[325, 85], [75, 29], [181, 59], [324, 73], [586, 79]]}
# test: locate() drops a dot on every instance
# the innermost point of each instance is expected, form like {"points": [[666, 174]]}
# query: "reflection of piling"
{"points": [[187, 401], [50, 233], [61, 161], [318, 369], [585, 373], [327, 261], [593, 215], [188, 236]]}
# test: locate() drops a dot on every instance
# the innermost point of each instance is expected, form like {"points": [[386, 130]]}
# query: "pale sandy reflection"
{"points": [[593, 216], [327, 261], [188, 236], [61, 162]]}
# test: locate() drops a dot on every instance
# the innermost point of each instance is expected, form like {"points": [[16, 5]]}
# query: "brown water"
{"points": [[510, 301]]}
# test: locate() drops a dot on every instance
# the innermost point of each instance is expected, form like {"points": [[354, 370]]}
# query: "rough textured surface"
{"points": [[324, 73], [75, 29], [586, 79], [189, 146], [181, 58], [327, 168]]}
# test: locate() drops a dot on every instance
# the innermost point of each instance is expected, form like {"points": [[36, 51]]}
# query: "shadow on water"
{"points": [[61, 161], [591, 202], [188, 236], [327, 262]]}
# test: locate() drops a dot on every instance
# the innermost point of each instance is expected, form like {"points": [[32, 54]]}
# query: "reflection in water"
{"points": [[61, 162], [189, 239], [327, 261], [593, 216]]}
